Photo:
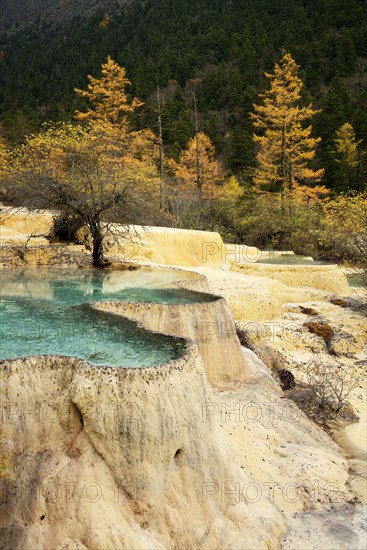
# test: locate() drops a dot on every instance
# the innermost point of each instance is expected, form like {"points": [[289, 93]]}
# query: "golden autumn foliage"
{"points": [[197, 170], [286, 147], [71, 153], [62, 167], [347, 156], [4, 159], [109, 101], [105, 21], [345, 221], [306, 194], [232, 190], [346, 147], [107, 119]]}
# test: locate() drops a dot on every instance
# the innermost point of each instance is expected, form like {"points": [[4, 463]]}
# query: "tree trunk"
{"points": [[283, 170], [161, 150], [290, 188], [199, 181], [97, 239]]}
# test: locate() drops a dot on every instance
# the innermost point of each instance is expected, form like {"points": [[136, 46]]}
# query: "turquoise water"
{"points": [[287, 259], [355, 280], [48, 313]]}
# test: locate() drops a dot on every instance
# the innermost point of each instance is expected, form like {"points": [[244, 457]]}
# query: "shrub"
{"points": [[345, 230], [321, 329], [330, 385], [264, 224]]}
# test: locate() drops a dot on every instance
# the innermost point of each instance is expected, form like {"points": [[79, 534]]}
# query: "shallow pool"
{"points": [[269, 257], [49, 312]]}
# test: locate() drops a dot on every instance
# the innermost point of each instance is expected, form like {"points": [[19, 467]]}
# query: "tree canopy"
{"points": [[286, 147], [348, 159], [62, 167], [197, 168], [108, 99], [225, 46]]}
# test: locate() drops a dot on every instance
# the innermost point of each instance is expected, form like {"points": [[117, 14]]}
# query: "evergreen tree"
{"points": [[185, 40], [286, 147]]}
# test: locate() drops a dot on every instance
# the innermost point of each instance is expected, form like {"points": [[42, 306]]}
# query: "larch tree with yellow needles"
{"points": [[107, 117], [197, 169], [109, 101], [283, 134], [98, 174], [347, 158]]}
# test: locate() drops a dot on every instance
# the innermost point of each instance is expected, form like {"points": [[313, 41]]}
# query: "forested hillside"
{"points": [[218, 49], [19, 13]]}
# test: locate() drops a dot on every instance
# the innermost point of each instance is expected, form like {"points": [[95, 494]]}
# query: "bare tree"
{"points": [[330, 384], [64, 168]]}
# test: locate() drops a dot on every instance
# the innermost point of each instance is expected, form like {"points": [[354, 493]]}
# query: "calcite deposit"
{"points": [[120, 458], [210, 325], [205, 451]]}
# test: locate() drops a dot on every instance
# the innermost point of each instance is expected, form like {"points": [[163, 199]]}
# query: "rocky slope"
{"points": [[120, 458], [157, 458]]}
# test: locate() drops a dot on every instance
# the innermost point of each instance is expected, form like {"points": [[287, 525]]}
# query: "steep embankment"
{"points": [[120, 458], [272, 317]]}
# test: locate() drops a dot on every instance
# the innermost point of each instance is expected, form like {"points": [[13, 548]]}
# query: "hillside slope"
{"points": [[221, 48], [19, 13]]}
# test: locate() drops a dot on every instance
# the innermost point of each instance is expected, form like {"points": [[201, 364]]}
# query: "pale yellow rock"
{"points": [[121, 458], [322, 277], [170, 246], [292, 460], [9, 236], [24, 221], [256, 297], [210, 325], [130, 491], [152, 277], [287, 343]]}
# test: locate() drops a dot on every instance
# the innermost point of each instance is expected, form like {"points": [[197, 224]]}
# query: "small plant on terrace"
{"points": [[330, 386]]}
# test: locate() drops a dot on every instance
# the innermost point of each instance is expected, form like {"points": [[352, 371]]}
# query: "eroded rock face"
{"points": [[209, 325], [57, 255], [329, 278], [170, 246], [119, 458]]}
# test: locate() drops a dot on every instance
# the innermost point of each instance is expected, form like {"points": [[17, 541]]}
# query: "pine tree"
{"points": [[285, 145]]}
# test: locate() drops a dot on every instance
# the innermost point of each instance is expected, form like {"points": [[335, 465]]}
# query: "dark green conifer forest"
{"points": [[218, 49]]}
